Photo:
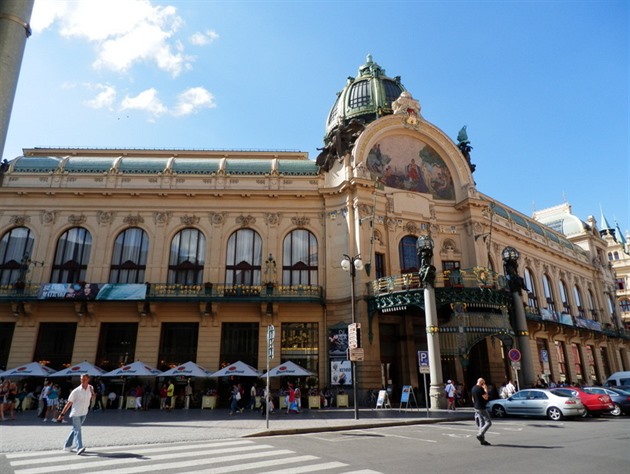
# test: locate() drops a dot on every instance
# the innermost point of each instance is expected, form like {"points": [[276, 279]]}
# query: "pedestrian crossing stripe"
{"points": [[207, 458]]}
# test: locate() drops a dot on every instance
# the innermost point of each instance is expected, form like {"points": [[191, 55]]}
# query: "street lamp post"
{"points": [[516, 284], [352, 264], [424, 248]]}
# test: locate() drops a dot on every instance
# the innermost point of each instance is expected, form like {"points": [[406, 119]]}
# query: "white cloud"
{"points": [[147, 101], [202, 39], [193, 99], [123, 32], [104, 99]]}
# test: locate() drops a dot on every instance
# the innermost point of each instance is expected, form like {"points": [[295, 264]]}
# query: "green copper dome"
{"points": [[365, 97]]}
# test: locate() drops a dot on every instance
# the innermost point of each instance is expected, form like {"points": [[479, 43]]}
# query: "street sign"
{"points": [[356, 354], [354, 335], [516, 365], [423, 362], [514, 355], [271, 337]]}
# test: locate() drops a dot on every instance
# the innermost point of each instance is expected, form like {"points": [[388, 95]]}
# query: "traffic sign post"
{"points": [[423, 365], [515, 356]]}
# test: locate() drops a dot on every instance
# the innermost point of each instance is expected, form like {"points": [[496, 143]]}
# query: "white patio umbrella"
{"points": [[239, 368], [79, 369], [135, 369], [289, 369], [188, 369], [33, 369]]}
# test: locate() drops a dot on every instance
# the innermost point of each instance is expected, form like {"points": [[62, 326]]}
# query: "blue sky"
{"points": [[541, 86]]}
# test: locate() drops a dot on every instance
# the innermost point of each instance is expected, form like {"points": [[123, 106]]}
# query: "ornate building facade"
{"points": [[165, 256]]}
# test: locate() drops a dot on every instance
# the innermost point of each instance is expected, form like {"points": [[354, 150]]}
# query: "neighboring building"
{"points": [[165, 256]]}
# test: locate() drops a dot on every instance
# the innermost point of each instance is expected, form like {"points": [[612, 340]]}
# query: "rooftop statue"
{"points": [[338, 143], [464, 146]]}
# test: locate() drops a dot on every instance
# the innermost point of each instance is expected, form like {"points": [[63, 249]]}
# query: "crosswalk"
{"points": [[213, 457]]}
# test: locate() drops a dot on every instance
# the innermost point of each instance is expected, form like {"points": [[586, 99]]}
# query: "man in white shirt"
{"points": [[510, 389], [79, 403]]}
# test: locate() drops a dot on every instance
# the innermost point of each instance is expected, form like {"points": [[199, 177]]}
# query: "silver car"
{"points": [[537, 402]]}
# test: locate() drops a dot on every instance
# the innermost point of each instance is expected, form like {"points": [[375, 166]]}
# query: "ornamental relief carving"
{"points": [[411, 228], [245, 221], [300, 221], [20, 220], [162, 217], [133, 220], [48, 217], [272, 218], [105, 217], [77, 220], [364, 211], [217, 218], [189, 220]]}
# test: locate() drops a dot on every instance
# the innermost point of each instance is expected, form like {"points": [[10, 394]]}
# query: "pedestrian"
{"points": [[170, 396], [450, 395], [99, 390], [253, 392], [480, 399], [52, 400], [298, 399], [235, 397], [79, 403], [163, 396], [510, 389]]}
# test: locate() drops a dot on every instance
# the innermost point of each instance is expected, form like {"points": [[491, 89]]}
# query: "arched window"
{"points": [[591, 306], [577, 296], [15, 246], [129, 260], [532, 300], [299, 258], [72, 256], [564, 297], [616, 255], [551, 306], [610, 257], [244, 258], [188, 256], [409, 261]]}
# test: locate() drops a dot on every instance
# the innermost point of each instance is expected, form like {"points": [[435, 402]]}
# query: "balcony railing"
{"points": [[475, 277], [168, 291]]}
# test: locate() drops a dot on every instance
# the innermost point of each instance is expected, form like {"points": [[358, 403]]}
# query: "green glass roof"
{"points": [[36, 164], [248, 166], [298, 168], [83, 164], [143, 165], [196, 166]]}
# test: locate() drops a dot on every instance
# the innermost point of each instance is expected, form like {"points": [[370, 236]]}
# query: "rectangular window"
{"points": [[543, 355], [379, 265], [299, 344], [178, 344], [55, 343], [452, 275], [239, 341], [562, 360], [592, 367], [116, 345], [6, 336], [577, 362]]}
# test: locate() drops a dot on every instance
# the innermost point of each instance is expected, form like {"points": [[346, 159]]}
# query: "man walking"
{"points": [[480, 398], [79, 403]]}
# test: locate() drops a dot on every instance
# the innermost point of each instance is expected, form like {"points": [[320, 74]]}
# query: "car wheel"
{"points": [[586, 413], [554, 414], [616, 411], [498, 411]]}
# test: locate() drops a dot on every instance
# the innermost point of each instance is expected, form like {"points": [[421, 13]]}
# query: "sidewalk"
{"points": [[131, 427]]}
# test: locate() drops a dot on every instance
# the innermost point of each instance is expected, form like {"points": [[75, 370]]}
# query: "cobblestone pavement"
{"points": [[131, 427]]}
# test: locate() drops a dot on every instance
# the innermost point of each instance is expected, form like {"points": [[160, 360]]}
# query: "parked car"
{"points": [[618, 378], [621, 398], [596, 404], [537, 402]]}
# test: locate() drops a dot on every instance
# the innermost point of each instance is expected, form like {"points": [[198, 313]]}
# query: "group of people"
{"points": [[8, 397]]}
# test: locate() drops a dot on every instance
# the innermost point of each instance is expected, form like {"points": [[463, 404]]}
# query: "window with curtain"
{"points": [[129, 260], [244, 258], [577, 296], [188, 256], [300, 345], [299, 258], [16, 244], [561, 352], [551, 306], [72, 256], [591, 306], [409, 261], [532, 300], [564, 297]]}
